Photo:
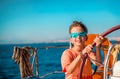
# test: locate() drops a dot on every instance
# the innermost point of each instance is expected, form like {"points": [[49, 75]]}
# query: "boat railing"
{"points": [[32, 52], [115, 48]]}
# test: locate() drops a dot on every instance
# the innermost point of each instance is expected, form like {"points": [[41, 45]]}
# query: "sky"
{"points": [[34, 21]]}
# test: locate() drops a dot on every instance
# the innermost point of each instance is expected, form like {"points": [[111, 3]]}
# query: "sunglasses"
{"points": [[75, 35]]}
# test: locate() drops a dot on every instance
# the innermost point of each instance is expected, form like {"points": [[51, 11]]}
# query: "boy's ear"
{"points": [[86, 38]]}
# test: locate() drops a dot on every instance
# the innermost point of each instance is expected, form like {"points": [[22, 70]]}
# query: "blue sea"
{"points": [[48, 60]]}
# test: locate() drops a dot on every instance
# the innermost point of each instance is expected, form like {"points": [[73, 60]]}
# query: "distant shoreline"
{"points": [[47, 42], [33, 43]]}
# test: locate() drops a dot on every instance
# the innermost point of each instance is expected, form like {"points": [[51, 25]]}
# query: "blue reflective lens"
{"points": [[75, 35]]}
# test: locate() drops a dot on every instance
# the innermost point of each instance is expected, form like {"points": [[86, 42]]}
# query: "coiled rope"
{"points": [[22, 57]]}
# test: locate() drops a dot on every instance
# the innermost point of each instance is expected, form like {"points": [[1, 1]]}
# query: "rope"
{"points": [[55, 72], [22, 57]]}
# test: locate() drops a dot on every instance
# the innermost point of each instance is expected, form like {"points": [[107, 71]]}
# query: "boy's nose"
{"points": [[78, 36]]}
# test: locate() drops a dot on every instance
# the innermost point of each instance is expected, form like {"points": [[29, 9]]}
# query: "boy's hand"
{"points": [[98, 40], [87, 49]]}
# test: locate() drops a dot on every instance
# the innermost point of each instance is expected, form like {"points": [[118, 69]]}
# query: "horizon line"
{"points": [[53, 41]]}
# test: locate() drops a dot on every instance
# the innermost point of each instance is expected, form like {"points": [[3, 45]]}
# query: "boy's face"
{"points": [[78, 36]]}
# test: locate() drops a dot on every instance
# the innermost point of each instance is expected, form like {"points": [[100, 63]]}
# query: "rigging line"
{"points": [[101, 64], [54, 72], [46, 47]]}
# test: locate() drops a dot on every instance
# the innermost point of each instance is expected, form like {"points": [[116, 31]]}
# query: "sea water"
{"points": [[48, 61]]}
